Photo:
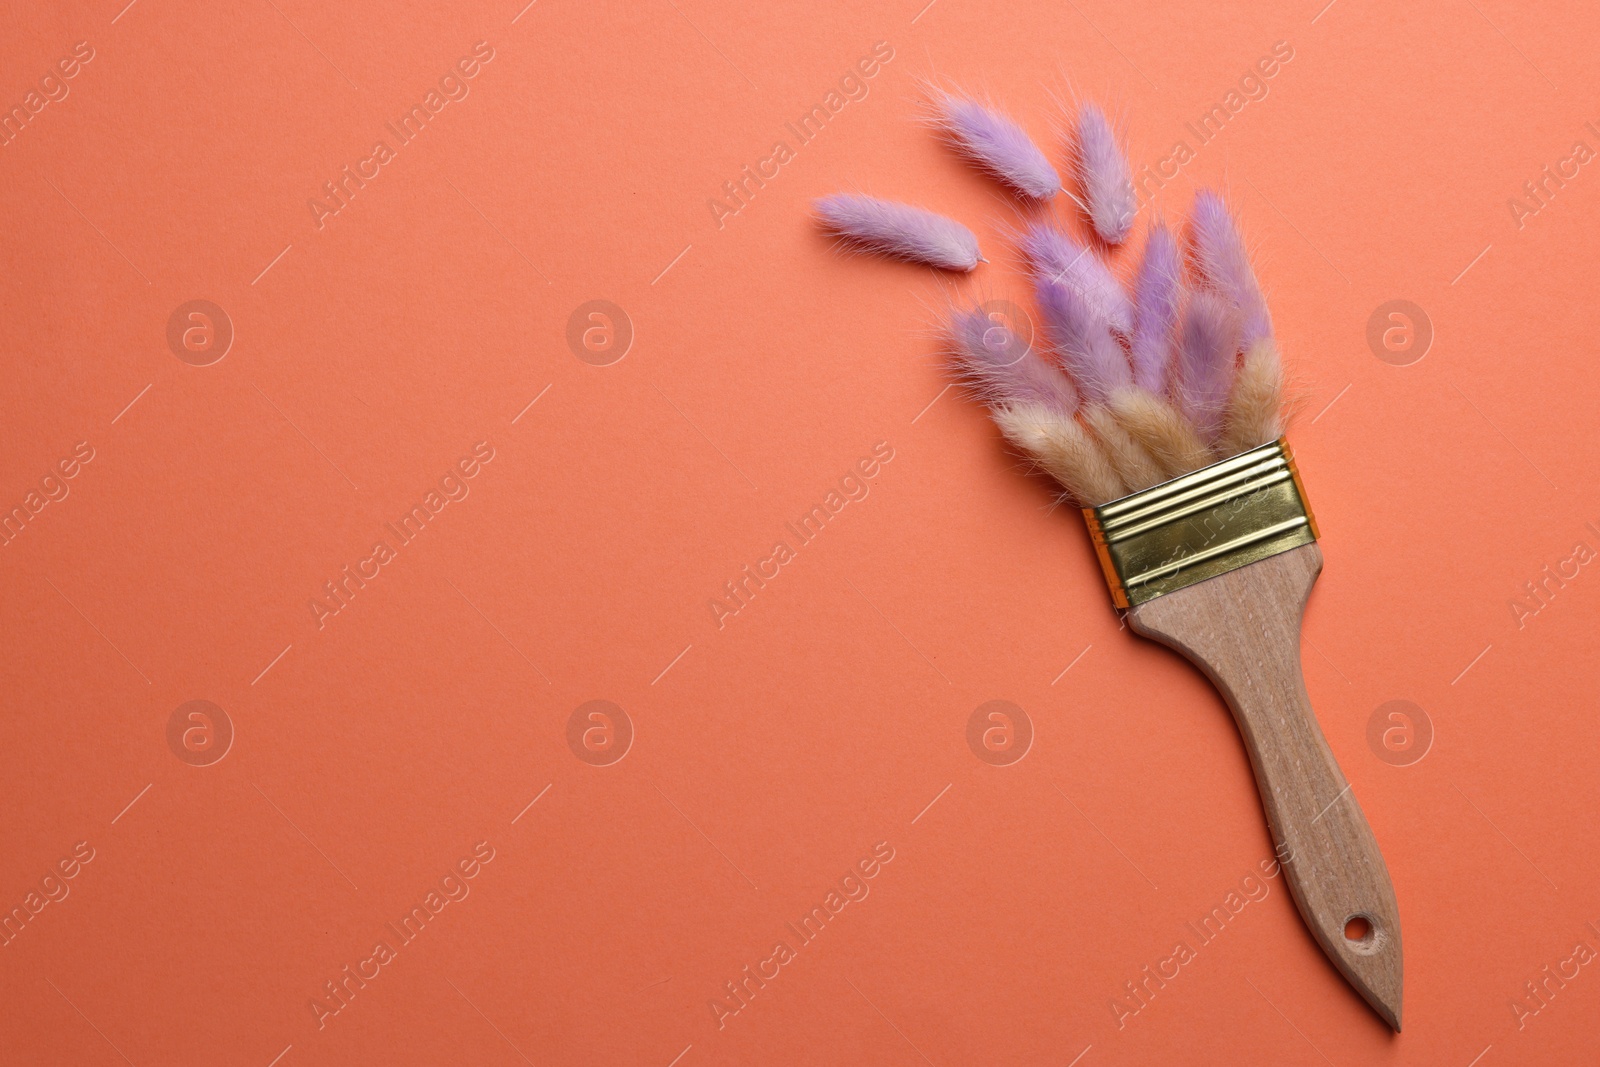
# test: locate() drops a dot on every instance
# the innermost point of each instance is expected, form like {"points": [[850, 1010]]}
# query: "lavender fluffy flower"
{"points": [[1208, 344], [998, 145], [900, 230], [1225, 266], [1001, 369], [1083, 339], [1158, 293], [1058, 258], [1103, 176]]}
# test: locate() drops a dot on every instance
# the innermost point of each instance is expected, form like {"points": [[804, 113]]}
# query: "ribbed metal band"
{"points": [[1202, 524]]}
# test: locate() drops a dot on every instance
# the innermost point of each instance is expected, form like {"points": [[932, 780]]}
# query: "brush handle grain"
{"points": [[1242, 629]]}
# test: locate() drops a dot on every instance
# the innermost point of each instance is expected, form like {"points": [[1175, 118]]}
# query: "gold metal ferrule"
{"points": [[1202, 524]]}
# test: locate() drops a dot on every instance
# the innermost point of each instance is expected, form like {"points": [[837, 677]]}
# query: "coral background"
{"points": [[371, 753]]}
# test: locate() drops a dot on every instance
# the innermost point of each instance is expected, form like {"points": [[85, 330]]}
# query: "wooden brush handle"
{"points": [[1242, 629]]}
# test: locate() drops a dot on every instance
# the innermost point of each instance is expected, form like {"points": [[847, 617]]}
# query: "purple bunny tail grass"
{"points": [[1055, 257], [1000, 368], [1103, 176], [1223, 263], [1158, 294], [998, 145], [1208, 342], [1084, 340], [900, 230]]}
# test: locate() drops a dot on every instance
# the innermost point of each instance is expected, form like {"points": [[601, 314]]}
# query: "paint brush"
{"points": [[1161, 416], [1216, 561]]}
